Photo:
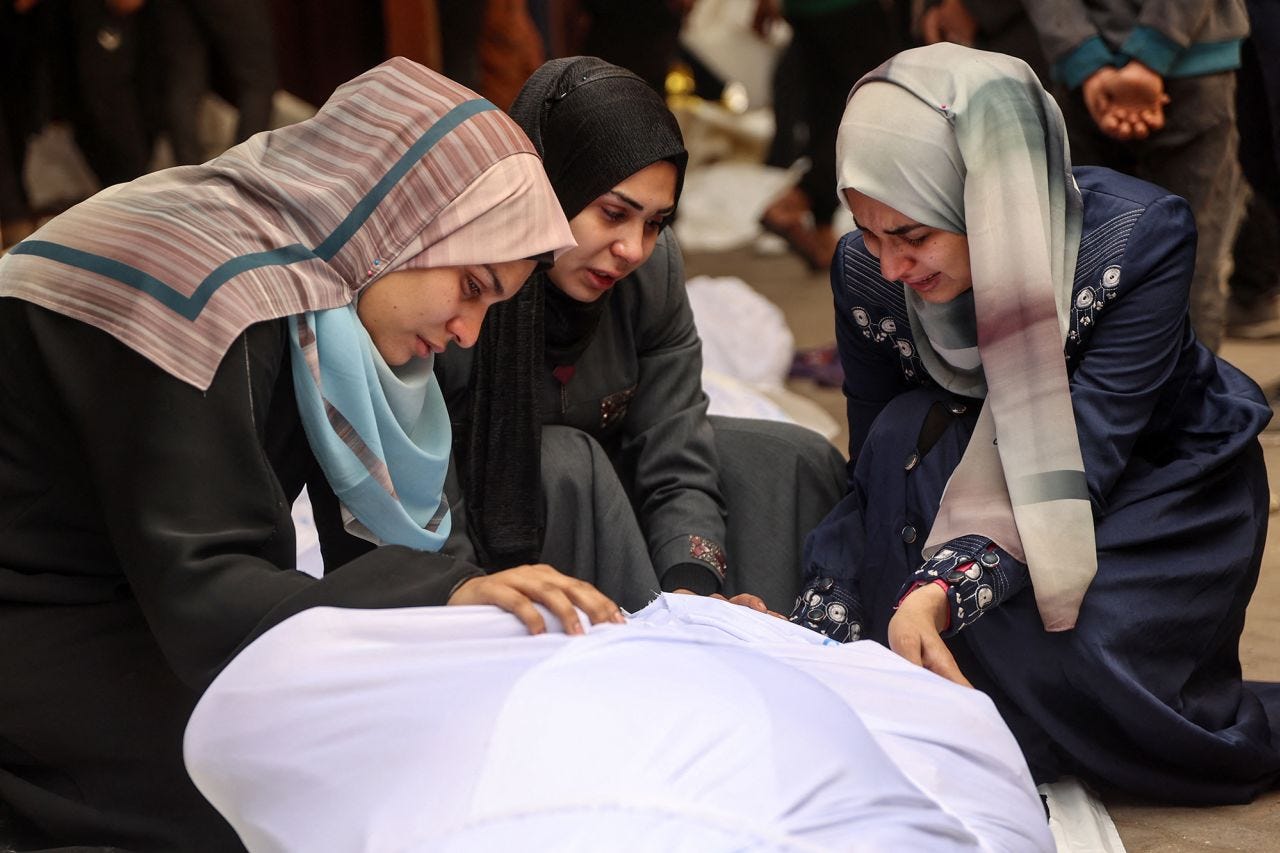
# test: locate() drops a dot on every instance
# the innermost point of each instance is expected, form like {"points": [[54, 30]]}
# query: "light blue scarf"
{"points": [[387, 471]]}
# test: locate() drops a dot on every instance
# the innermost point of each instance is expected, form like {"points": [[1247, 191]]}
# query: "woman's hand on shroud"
{"points": [[742, 599], [516, 590], [915, 632]]}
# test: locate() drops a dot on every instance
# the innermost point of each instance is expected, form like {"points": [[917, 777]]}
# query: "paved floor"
{"points": [[806, 300]]}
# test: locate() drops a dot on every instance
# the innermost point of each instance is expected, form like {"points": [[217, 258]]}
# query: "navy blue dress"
{"points": [[1145, 694]]}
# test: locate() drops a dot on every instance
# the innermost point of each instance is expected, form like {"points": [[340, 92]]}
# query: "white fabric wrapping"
{"points": [[697, 726]]}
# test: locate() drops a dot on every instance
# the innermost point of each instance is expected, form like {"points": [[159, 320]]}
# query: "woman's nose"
{"points": [[465, 327], [893, 263], [629, 247]]}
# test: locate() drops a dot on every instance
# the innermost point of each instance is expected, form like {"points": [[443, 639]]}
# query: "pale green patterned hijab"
{"points": [[969, 141]]}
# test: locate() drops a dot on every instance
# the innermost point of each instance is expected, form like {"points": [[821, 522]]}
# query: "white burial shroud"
{"points": [[698, 726]]}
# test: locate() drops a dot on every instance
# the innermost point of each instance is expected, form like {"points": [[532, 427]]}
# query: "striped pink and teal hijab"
{"points": [[178, 263], [969, 142], [400, 168]]}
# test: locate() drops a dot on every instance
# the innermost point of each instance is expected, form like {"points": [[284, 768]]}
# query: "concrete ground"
{"points": [[806, 300]]}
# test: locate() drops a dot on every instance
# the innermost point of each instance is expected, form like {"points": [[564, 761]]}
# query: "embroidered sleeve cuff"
{"points": [[690, 549], [1074, 68], [830, 608], [979, 575], [695, 577]]}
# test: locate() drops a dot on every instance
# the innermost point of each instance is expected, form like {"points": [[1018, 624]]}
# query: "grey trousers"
{"points": [[778, 481], [1194, 156]]}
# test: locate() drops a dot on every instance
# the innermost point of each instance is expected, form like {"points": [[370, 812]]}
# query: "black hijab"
{"points": [[595, 125]]}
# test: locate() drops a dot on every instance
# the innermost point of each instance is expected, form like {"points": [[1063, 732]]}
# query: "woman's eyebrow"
{"points": [[494, 281], [892, 232], [631, 202]]}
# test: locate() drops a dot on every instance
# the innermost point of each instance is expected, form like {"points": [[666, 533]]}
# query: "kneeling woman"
{"points": [[1076, 534], [612, 379], [166, 345]]}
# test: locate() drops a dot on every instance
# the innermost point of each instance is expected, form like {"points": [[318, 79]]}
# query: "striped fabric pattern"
{"points": [[989, 159], [178, 263], [341, 427], [402, 168]]}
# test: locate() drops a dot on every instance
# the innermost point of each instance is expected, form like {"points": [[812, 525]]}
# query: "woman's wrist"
{"points": [[976, 574], [931, 597]]}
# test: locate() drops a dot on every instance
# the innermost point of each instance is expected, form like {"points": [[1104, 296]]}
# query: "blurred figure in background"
{"points": [[1254, 307], [23, 107], [999, 25], [510, 49], [642, 36], [834, 42], [1148, 88], [194, 36], [113, 89]]}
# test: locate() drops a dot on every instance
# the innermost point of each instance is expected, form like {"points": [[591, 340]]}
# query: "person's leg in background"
{"points": [[15, 211], [836, 47], [107, 113], [642, 36], [1253, 306], [1253, 309], [790, 107], [1195, 156], [848, 44], [242, 45], [184, 57], [27, 56]]}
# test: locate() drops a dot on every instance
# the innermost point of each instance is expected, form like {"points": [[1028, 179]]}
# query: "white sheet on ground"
{"points": [[721, 203], [744, 335], [747, 348], [1078, 820], [699, 725]]}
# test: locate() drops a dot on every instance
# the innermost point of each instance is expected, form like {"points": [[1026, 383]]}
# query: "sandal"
{"points": [[821, 364]]}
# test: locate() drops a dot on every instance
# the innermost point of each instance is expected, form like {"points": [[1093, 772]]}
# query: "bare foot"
{"points": [[790, 218], [814, 244]]}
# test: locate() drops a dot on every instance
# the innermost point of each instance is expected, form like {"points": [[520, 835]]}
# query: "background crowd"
{"points": [[126, 74]]}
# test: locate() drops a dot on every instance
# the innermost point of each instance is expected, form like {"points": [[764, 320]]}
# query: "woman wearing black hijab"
{"points": [[605, 463]]}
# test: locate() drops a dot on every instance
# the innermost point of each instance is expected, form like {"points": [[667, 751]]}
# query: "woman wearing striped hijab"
{"points": [[1056, 493], [183, 353]]}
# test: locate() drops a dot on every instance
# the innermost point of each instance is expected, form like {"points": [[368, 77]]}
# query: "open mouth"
{"points": [[601, 280], [922, 282], [423, 347]]}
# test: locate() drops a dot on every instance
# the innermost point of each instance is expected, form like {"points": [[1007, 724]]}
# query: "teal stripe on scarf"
{"points": [[365, 207], [189, 307]]}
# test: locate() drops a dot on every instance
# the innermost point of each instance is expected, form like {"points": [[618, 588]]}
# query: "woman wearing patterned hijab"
{"points": [[592, 379], [183, 353], [1056, 493]]}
